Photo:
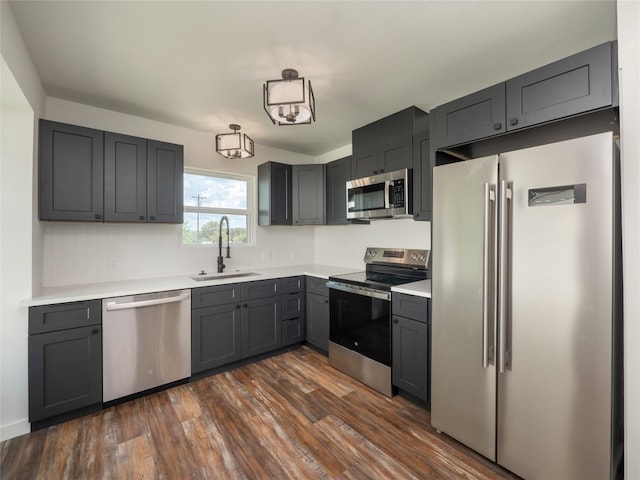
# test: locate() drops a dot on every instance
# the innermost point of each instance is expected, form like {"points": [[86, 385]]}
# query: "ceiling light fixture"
{"points": [[289, 101], [234, 145]]}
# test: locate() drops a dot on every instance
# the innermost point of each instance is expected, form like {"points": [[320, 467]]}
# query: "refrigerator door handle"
{"points": [[503, 261], [488, 292]]}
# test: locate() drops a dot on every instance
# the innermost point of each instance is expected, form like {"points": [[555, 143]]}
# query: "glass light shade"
{"points": [[289, 101], [234, 145]]}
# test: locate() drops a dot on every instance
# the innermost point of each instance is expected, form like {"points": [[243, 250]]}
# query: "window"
{"points": [[207, 197]]}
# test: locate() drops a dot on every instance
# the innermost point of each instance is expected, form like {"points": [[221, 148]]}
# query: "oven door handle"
{"points": [[357, 290]]}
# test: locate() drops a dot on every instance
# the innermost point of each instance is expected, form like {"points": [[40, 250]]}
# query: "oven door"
{"points": [[360, 320]]}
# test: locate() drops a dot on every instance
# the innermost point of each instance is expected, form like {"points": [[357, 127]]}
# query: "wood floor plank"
{"points": [[290, 416]]}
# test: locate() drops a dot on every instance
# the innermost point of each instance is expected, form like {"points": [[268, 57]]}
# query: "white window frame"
{"points": [[249, 212]]}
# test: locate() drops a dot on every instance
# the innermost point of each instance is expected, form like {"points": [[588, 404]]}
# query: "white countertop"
{"points": [[121, 288], [419, 289]]}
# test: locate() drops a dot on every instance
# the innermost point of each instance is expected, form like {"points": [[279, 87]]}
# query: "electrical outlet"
{"points": [[266, 255], [113, 263], [292, 254]]}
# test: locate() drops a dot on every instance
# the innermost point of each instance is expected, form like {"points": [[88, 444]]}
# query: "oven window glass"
{"points": [[370, 197], [361, 324]]}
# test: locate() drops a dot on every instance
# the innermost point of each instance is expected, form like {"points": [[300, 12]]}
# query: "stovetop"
{"points": [[386, 268]]}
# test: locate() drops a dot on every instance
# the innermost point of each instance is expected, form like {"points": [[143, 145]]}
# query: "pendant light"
{"points": [[234, 145], [289, 101]]}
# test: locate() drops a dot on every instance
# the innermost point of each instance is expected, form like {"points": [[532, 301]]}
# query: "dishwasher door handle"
{"points": [[146, 303]]}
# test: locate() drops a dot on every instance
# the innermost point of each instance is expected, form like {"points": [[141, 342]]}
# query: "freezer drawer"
{"points": [[146, 342]]}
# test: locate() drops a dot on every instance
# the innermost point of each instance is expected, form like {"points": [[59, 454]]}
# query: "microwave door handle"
{"points": [[389, 192]]}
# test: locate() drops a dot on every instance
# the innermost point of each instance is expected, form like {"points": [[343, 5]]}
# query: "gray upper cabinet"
{"points": [[165, 166], [478, 115], [422, 178], [70, 185], [308, 193], [575, 85], [91, 175], [142, 180], [337, 174], [125, 178], [386, 144], [274, 194]]}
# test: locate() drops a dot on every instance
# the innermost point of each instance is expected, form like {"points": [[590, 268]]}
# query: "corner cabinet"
{"points": [[575, 85], [386, 144], [91, 175], [274, 194], [65, 358], [410, 333], [308, 193]]}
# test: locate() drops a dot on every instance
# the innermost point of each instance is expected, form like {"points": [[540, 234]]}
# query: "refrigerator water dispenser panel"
{"points": [[563, 195]]}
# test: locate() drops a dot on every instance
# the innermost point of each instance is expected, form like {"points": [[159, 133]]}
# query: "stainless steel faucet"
{"points": [[221, 264]]}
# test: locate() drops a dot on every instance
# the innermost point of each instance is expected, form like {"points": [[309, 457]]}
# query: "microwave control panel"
{"points": [[396, 193]]}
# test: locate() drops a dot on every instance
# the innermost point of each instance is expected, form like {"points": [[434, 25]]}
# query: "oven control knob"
{"points": [[355, 343]]}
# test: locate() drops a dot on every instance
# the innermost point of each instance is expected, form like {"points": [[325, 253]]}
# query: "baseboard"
{"points": [[15, 429]]}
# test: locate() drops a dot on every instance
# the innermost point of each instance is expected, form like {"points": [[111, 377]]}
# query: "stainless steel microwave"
{"points": [[381, 196]]}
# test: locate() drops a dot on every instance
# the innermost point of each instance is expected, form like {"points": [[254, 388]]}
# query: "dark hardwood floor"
{"points": [[287, 417]]}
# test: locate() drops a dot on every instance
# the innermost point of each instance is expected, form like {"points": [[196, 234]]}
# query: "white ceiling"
{"points": [[201, 64]]}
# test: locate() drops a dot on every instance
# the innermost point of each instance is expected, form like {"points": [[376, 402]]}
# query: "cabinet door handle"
{"points": [[238, 306], [513, 121], [141, 217], [326, 301], [245, 305], [98, 216], [497, 126], [152, 218], [95, 331], [395, 320]]}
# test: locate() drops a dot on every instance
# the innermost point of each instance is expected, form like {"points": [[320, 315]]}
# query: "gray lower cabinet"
{"points": [[65, 358], [234, 321], [317, 333], [410, 362], [215, 336], [261, 329]]}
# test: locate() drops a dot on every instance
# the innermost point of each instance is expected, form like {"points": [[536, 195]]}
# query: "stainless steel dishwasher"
{"points": [[146, 341]]}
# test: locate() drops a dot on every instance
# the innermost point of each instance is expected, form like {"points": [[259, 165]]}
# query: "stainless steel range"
{"points": [[360, 313]]}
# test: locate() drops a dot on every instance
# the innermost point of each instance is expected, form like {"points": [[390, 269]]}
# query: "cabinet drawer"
{"points": [[318, 286], [215, 295], [51, 318], [293, 305], [410, 306], [260, 289], [293, 331], [293, 284]]}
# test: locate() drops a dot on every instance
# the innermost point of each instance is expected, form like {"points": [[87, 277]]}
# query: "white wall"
{"points": [[629, 63], [22, 102]]}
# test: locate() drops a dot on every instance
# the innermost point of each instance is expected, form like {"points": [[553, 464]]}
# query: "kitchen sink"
{"points": [[223, 276]]}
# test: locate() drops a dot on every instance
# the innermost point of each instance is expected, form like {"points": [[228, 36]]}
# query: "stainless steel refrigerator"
{"points": [[525, 303]]}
